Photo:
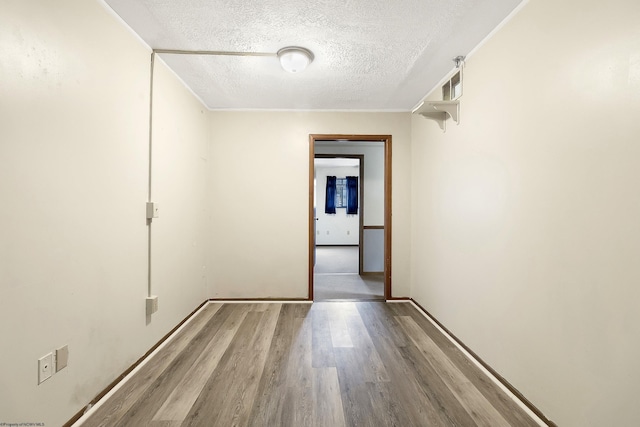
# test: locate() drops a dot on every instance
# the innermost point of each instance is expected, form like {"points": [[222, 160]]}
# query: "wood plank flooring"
{"points": [[328, 364]]}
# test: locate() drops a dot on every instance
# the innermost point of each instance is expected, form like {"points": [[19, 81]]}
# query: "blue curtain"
{"points": [[352, 195], [330, 198]]}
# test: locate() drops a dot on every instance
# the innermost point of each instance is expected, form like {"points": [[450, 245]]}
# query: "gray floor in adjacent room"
{"points": [[336, 276]]}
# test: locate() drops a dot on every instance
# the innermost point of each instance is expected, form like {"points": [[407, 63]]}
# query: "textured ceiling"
{"points": [[369, 54]]}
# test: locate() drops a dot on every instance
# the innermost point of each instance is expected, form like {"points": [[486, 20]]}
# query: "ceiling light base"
{"points": [[294, 58]]}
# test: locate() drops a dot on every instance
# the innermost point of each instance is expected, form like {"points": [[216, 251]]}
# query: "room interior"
{"points": [[514, 223]]}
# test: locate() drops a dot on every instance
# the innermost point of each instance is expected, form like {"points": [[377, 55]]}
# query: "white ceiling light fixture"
{"points": [[294, 58]]}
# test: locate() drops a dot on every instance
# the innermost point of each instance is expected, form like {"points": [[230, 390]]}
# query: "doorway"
{"points": [[349, 266], [339, 216]]}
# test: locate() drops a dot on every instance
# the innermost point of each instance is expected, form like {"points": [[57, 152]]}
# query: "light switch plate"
{"points": [[153, 210], [62, 358], [45, 368]]}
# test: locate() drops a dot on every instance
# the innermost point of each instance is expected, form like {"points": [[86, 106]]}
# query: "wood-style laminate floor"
{"points": [[327, 364]]}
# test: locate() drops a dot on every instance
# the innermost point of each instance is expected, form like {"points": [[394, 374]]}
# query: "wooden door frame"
{"points": [[386, 139]]}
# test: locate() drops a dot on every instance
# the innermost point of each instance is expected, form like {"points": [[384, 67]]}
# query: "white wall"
{"points": [[338, 228], [73, 178], [373, 250], [181, 235], [261, 250], [525, 216]]}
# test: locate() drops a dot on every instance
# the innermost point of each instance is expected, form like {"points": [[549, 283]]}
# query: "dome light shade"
{"points": [[295, 59]]}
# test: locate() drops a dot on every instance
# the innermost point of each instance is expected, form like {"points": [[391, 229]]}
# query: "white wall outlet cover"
{"points": [[45, 368], [62, 358]]}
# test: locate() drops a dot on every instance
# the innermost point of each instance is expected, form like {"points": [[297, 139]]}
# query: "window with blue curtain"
{"points": [[341, 193]]}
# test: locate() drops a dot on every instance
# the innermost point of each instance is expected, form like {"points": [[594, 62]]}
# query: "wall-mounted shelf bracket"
{"points": [[440, 111]]}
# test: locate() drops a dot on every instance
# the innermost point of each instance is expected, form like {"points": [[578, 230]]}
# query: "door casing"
{"points": [[386, 139]]}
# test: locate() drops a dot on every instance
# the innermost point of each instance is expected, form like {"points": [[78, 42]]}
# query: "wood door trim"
{"points": [[387, 140], [387, 217]]}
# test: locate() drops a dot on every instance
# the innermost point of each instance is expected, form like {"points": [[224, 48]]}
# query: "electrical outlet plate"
{"points": [[45, 368], [62, 358]]}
